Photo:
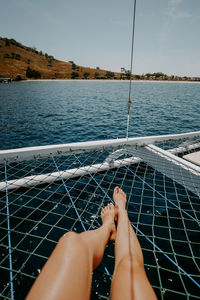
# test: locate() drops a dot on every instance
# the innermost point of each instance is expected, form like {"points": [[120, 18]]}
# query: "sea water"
{"points": [[37, 113], [49, 112]]}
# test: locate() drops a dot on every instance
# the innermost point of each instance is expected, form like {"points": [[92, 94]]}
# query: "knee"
{"points": [[73, 241], [70, 236], [129, 262]]}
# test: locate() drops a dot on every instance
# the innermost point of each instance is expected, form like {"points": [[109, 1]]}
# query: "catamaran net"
{"points": [[41, 199]]}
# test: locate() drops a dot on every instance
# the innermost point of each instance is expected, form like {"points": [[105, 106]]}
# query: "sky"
{"points": [[97, 33]]}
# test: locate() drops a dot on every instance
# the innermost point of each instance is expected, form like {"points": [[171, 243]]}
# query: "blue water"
{"points": [[41, 113]]}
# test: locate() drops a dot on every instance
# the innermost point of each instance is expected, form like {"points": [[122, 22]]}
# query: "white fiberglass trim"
{"points": [[67, 174], [179, 170], [41, 151], [193, 168]]}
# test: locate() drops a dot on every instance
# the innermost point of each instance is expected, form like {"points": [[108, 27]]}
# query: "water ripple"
{"points": [[40, 113]]}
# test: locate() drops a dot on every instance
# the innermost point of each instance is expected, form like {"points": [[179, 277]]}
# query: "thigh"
{"points": [[67, 274]]}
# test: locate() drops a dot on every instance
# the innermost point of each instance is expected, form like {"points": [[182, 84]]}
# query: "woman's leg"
{"points": [[68, 272], [129, 279]]}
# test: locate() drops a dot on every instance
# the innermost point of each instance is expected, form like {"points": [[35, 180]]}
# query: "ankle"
{"points": [[122, 212], [108, 225]]}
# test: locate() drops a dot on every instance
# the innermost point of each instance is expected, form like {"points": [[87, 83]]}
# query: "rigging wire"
{"points": [[128, 119], [131, 69]]}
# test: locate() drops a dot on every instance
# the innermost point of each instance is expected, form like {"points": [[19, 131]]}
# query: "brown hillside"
{"points": [[15, 58]]}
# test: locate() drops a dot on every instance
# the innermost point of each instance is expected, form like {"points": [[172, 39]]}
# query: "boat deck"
{"points": [[43, 197]]}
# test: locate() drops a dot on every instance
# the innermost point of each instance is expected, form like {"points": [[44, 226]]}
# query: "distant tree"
{"points": [[28, 61], [97, 68], [73, 66], [6, 55], [50, 57], [128, 74], [31, 73], [96, 75], [17, 56], [50, 62], [15, 43], [125, 74], [74, 75], [158, 74], [19, 78], [109, 75], [86, 75], [7, 43], [148, 75]]}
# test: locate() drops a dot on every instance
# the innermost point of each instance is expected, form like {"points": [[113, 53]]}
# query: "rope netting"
{"points": [[164, 211]]}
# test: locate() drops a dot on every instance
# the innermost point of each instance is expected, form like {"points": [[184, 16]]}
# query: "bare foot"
{"points": [[119, 198], [107, 216]]}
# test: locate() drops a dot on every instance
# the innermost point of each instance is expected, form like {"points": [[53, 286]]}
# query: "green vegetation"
{"points": [[48, 57], [6, 55], [125, 74], [86, 75], [110, 75], [157, 74], [74, 75], [73, 66], [13, 56], [31, 73], [9, 42], [74, 71], [16, 56], [19, 78], [96, 75]]}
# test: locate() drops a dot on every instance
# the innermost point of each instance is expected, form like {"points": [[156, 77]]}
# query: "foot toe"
{"points": [[111, 206]]}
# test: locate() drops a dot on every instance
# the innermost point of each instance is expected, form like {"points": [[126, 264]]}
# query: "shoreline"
{"points": [[108, 80]]}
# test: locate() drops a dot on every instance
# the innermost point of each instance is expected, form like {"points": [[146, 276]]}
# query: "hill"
{"points": [[21, 62], [18, 62]]}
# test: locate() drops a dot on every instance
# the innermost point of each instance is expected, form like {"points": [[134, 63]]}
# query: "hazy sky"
{"points": [[98, 32]]}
